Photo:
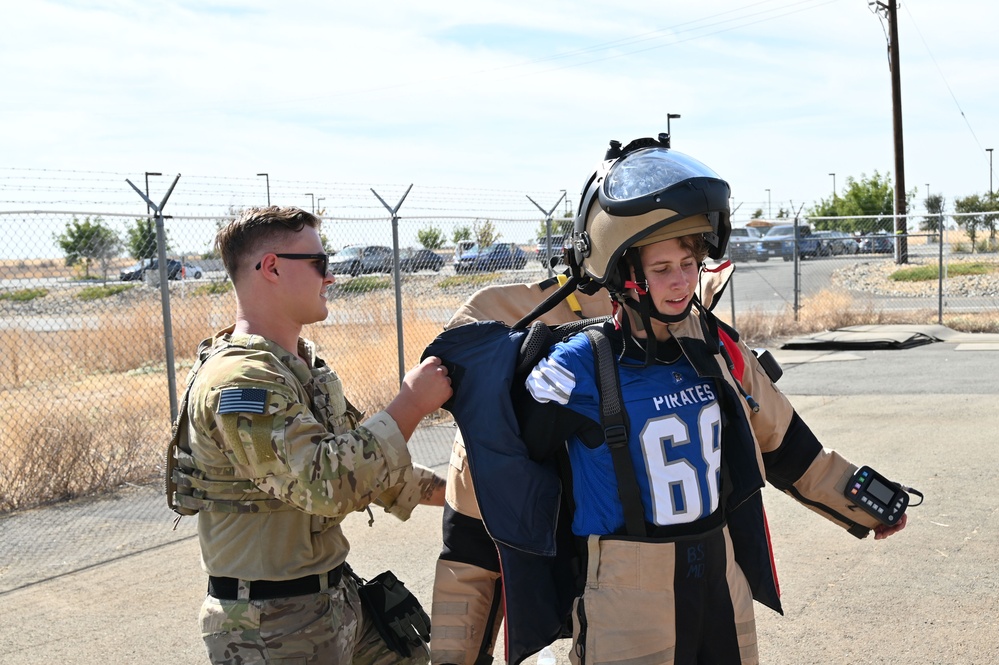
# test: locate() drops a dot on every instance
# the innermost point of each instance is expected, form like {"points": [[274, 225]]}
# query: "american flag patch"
{"points": [[243, 400]]}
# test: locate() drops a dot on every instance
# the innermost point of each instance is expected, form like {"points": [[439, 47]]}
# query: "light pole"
{"points": [[149, 220], [319, 203], [310, 195], [834, 185], [670, 116], [770, 210], [989, 150], [268, 186], [566, 197]]}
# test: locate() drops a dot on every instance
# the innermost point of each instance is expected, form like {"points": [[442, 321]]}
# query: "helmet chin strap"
{"points": [[645, 307]]}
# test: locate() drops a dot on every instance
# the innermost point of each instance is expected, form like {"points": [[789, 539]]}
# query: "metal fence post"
{"points": [[165, 292], [940, 272], [398, 279], [548, 228]]}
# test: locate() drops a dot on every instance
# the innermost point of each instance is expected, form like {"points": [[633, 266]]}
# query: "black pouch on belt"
{"points": [[395, 611]]}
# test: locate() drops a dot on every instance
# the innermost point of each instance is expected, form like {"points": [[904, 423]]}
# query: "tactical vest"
{"points": [[192, 486]]}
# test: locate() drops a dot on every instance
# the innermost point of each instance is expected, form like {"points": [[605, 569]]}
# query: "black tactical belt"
{"points": [[227, 588]]}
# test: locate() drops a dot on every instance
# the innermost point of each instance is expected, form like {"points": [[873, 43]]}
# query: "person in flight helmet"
{"points": [[667, 513]]}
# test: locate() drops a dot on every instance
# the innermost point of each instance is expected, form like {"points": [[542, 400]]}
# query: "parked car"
{"points": [[878, 242], [175, 270], [414, 260], [558, 250], [192, 271], [461, 247], [780, 240], [834, 243], [357, 260], [745, 244], [498, 256]]}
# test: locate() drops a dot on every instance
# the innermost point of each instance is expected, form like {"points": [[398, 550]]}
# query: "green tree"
{"points": [[757, 214], [864, 197], [141, 239], [485, 233], [431, 237], [934, 204], [560, 227], [87, 242], [974, 223], [992, 203], [461, 233]]}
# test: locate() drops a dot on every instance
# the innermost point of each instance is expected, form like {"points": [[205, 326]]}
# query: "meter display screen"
{"points": [[880, 491]]}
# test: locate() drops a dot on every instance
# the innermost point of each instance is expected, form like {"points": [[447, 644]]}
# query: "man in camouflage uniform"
{"points": [[467, 612], [271, 456]]}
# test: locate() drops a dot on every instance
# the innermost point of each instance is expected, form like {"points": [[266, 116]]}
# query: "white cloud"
{"points": [[499, 95]]}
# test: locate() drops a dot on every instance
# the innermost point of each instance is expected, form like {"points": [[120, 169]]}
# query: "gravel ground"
{"points": [[874, 277]]}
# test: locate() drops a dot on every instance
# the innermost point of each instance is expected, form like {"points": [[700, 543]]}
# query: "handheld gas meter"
{"points": [[884, 500]]}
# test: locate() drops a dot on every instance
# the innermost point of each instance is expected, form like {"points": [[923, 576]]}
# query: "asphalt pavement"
{"points": [[924, 416]]}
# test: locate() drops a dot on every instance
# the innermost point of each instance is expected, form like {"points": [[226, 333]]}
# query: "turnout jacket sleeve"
{"points": [[290, 454], [793, 459]]}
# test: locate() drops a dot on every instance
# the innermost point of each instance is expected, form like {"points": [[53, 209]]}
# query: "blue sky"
{"points": [[511, 95]]}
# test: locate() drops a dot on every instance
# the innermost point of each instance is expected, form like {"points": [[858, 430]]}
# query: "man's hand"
{"points": [[424, 389], [882, 531]]}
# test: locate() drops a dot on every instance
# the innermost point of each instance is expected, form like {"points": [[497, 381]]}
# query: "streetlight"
{"points": [[319, 203], [669, 116], [309, 194], [149, 220], [770, 210], [268, 186], [989, 150], [834, 185]]}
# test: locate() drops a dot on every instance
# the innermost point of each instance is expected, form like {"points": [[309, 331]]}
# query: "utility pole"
{"points": [[901, 241]]}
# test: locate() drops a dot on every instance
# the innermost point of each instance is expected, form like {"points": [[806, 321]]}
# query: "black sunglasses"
{"points": [[322, 261]]}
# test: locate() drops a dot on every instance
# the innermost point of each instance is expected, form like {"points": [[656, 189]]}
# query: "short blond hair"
{"points": [[257, 227]]}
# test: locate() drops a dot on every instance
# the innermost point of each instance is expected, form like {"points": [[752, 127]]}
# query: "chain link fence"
{"points": [[829, 272], [84, 372], [83, 346]]}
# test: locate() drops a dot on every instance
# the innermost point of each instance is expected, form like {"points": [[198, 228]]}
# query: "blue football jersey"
{"points": [[674, 438]]}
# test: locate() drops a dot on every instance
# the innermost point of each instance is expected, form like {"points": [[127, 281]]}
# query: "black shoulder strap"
{"points": [[615, 424]]}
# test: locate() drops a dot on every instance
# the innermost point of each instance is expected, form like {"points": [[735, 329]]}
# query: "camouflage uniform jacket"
{"points": [[258, 413]]}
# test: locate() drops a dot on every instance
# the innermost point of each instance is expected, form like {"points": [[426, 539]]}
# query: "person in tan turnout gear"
{"points": [[466, 613]]}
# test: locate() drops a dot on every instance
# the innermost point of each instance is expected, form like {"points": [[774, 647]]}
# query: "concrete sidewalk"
{"points": [[925, 416]]}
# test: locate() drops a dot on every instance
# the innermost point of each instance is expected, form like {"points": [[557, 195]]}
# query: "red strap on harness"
{"points": [[640, 289], [718, 268], [738, 362]]}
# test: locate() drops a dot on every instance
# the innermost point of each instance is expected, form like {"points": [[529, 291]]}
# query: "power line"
{"points": [[942, 77]]}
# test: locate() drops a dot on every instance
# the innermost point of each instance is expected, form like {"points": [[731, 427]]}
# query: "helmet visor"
{"points": [[648, 171]]}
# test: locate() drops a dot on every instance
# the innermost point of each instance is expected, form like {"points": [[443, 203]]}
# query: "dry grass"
{"points": [[829, 310], [86, 410], [73, 439], [365, 351]]}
